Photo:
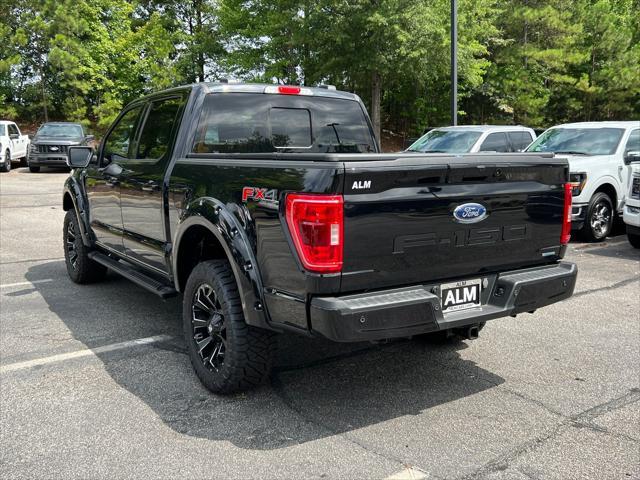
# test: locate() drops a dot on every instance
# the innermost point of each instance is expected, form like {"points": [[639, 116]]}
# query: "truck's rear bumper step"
{"points": [[415, 310], [148, 283]]}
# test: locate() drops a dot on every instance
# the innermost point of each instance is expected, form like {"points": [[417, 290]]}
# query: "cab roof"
{"points": [[266, 88], [486, 128], [610, 124]]}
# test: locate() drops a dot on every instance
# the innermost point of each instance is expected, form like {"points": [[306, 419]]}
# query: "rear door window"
{"points": [[254, 123], [157, 133], [495, 142], [520, 140]]}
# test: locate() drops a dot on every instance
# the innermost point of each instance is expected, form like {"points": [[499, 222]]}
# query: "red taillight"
{"points": [[316, 223], [287, 90], [565, 236]]}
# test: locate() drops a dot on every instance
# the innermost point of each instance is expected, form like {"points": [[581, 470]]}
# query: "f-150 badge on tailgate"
{"points": [[470, 213]]}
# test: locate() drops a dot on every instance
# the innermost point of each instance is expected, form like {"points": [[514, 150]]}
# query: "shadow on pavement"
{"points": [[617, 247], [318, 388]]}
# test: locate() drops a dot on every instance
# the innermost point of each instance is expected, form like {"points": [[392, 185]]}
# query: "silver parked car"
{"points": [[474, 138]]}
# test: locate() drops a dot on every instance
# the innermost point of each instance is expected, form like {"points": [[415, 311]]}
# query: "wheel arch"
{"points": [[611, 192], [208, 230], [72, 199]]}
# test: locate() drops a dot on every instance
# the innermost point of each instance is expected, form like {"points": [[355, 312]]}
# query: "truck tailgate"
{"points": [[400, 227]]}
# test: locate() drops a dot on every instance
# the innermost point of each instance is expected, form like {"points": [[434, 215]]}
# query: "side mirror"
{"points": [[89, 138], [631, 157], [79, 157]]}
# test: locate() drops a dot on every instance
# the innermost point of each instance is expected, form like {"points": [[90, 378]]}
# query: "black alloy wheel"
{"points": [[209, 330], [70, 244], [80, 267]]}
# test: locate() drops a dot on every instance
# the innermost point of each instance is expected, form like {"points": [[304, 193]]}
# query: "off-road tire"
{"points": [[34, 169], [6, 166], [634, 240], [80, 267], [248, 351], [591, 233]]}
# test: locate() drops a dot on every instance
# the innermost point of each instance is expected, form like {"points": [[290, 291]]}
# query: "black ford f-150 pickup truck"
{"points": [[271, 209]]}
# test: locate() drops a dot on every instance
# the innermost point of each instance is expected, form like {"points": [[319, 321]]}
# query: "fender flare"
{"points": [[73, 189], [213, 215]]}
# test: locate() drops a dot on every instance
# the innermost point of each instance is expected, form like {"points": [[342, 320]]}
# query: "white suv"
{"points": [[599, 175], [474, 138]]}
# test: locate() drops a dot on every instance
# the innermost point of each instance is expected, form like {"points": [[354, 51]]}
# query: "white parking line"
{"points": [[83, 353], [409, 473], [20, 284]]}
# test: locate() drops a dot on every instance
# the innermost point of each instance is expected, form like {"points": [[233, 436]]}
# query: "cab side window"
{"points": [[633, 143], [13, 130], [495, 142], [120, 143], [157, 133]]}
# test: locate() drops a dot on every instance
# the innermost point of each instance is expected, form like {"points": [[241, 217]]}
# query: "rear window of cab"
{"points": [[262, 123]]}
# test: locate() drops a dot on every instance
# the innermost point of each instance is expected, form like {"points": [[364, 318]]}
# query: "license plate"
{"points": [[460, 295]]}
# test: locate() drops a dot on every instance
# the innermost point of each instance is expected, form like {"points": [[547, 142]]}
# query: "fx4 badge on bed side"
{"points": [[257, 194]]}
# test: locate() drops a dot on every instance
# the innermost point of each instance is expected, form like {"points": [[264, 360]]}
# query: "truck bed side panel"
{"points": [[201, 176]]}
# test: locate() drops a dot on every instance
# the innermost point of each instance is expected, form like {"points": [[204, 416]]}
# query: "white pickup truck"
{"points": [[632, 207], [13, 145], [599, 174]]}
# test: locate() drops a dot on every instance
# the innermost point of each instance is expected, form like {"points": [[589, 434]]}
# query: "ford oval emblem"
{"points": [[470, 213]]}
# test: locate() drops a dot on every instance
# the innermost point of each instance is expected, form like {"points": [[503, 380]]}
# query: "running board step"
{"points": [[130, 273]]}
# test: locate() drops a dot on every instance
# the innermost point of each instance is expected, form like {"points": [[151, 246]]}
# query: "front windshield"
{"points": [[2, 131], [578, 141], [446, 141], [53, 130]]}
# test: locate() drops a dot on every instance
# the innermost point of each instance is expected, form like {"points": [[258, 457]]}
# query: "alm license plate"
{"points": [[460, 295]]}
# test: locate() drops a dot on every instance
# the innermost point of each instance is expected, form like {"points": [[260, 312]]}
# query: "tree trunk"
{"points": [[375, 104], [44, 97], [201, 60]]}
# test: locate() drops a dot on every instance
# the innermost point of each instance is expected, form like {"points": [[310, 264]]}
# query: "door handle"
{"points": [[111, 181], [150, 187]]}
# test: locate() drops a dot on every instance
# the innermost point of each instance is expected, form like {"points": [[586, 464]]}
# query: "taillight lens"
{"points": [[316, 223], [565, 236]]}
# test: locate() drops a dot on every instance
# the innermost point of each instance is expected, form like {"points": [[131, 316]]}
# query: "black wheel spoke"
{"points": [[203, 306], [204, 343], [199, 323]]}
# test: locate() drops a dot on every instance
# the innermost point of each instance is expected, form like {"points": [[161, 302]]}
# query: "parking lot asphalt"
{"points": [[549, 395]]}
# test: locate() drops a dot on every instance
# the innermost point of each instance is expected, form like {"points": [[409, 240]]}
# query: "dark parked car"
{"points": [[50, 145], [241, 198]]}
